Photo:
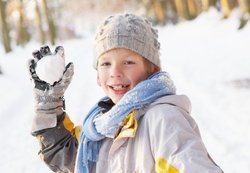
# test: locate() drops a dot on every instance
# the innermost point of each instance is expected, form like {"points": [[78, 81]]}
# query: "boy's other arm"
{"points": [[59, 145]]}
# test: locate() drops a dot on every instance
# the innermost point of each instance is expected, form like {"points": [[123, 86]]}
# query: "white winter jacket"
{"points": [[167, 141]]}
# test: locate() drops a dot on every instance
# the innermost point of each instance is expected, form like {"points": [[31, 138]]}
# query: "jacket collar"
{"points": [[181, 101]]}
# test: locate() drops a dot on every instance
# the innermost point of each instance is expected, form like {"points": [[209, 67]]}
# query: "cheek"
{"points": [[100, 79], [138, 77]]}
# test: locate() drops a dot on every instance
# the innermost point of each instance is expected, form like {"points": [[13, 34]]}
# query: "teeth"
{"points": [[120, 87]]}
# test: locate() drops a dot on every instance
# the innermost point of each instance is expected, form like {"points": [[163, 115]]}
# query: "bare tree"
{"points": [[38, 17], [182, 9], [22, 28], [160, 11], [245, 10], [193, 8], [50, 22], [159, 7], [227, 7], [244, 6], [4, 28]]}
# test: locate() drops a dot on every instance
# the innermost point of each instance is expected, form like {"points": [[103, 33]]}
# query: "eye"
{"points": [[128, 62], [104, 64]]}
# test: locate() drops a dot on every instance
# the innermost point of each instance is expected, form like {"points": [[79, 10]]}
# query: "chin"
{"points": [[116, 100]]}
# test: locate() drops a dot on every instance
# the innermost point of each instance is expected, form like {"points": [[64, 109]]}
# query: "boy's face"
{"points": [[119, 70]]}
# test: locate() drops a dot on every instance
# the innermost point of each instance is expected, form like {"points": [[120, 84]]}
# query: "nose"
{"points": [[116, 71]]}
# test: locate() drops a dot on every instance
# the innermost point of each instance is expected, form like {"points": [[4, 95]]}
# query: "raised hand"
{"points": [[49, 98]]}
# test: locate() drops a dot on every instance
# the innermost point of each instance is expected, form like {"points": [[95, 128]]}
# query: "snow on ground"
{"points": [[204, 57]]}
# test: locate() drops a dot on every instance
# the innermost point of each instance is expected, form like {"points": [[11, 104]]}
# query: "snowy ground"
{"points": [[204, 57]]}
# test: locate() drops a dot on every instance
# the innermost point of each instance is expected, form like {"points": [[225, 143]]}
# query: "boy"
{"points": [[141, 125]]}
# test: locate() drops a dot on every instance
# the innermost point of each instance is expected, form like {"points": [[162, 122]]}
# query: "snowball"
{"points": [[50, 68]]}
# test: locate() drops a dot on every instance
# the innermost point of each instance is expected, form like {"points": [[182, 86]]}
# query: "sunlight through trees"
{"points": [[49, 21]]}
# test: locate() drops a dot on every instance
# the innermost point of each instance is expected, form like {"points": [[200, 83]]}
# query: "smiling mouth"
{"points": [[119, 87]]}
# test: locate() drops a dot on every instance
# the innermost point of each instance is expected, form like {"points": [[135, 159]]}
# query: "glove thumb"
{"points": [[67, 76]]}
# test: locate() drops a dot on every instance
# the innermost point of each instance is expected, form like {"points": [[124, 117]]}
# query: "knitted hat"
{"points": [[127, 31]]}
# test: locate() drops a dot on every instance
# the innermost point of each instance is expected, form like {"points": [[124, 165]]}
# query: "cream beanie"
{"points": [[127, 31]]}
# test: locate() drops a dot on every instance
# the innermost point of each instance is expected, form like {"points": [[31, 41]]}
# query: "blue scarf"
{"points": [[98, 125]]}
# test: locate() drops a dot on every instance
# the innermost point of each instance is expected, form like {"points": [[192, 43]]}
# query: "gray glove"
{"points": [[49, 100]]}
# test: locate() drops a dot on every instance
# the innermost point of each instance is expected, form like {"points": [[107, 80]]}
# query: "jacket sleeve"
{"points": [[176, 144], [59, 145]]}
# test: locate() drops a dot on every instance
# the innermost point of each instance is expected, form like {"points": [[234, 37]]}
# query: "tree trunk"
{"points": [[182, 9], [39, 23], [245, 10], [160, 11], [227, 6], [193, 8], [51, 25], [179, 8], [22, 31], [4, 28], [244, 6]]}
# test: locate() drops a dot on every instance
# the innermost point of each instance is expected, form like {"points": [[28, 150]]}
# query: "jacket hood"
{"points": [[181, 101]]}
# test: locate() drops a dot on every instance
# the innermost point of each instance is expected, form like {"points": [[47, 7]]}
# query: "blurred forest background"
{"points": [[51, 20]]}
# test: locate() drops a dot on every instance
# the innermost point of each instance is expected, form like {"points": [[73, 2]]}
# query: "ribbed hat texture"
{"points": [[127, 31]]}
